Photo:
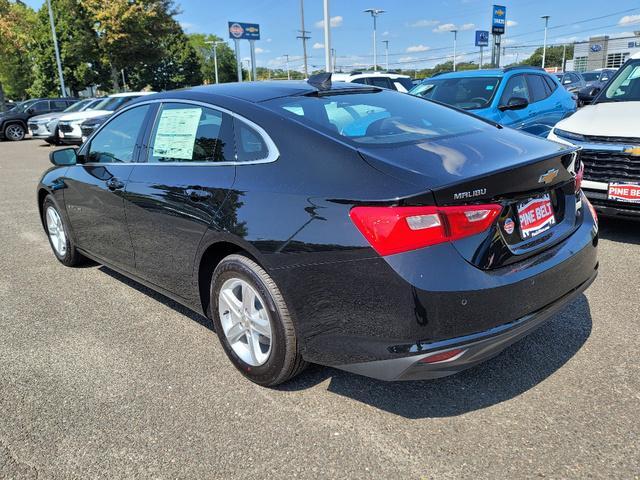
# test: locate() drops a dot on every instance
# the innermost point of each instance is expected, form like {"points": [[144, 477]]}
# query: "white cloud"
{"points": [[629, 20], [318, 45], [407, 59], [261, 50], [188, 27], [333, 22], [385, 33], [268, 40], [512, 23], [425, 23], [508, 41], [447, 27], [417, 48]]}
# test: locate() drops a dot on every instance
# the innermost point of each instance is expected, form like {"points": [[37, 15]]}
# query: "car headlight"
{"points": [[569, 135]]}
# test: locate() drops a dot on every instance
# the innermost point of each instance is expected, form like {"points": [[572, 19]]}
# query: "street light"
{"points": [[215, 55], [56, 49], [386, 54], [288, 72], [544, 45], [374, 14], [327, 37], [455, 45]]}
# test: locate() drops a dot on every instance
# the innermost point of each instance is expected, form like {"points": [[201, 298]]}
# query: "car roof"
{"points": [[254, 92], [490, 72], [349, 76], [130, 94]]}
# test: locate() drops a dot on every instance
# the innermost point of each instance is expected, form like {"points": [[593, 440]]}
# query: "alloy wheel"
{"points": [[245, 321], [14, 132], [56, 231]]}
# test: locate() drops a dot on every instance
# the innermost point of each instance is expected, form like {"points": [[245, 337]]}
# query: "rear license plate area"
{"points": [[535, 216]]}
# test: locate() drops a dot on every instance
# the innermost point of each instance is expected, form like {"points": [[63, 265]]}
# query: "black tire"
{"points": [[71, 256], [284, 361], [14, 132]]}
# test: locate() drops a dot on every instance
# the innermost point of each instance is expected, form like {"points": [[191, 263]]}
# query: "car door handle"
{"points": [[114, 184], [197, 195]]}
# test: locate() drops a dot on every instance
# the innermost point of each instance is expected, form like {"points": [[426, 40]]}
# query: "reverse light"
{"points": [[392, 230], [447, 356]]}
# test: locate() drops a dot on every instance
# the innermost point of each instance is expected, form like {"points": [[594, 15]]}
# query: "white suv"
{"points": [[392, 81]]}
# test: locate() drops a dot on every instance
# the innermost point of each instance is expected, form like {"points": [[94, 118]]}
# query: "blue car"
{"points": [[524, 98]]}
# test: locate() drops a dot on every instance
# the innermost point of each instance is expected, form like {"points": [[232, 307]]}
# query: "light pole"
{"points": [[374, 14], [288, 72], [215, 56], [544, 45], [56, 49], [327, 37], [248, 68], [455, 45], [386, 54], [304, 37]]}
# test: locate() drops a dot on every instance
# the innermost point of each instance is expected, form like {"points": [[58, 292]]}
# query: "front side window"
{"points": [[625, 86], [59, 104], [40, 107], [468, 93], [537, 88], [377, 118], [191, 133], [516, 87], [116, 142]]}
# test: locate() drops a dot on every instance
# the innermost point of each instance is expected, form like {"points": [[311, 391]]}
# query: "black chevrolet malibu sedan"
{"points": [[338, 224]]}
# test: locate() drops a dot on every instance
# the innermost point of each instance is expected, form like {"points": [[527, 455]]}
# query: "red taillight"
{"points": [[579, 177], [447, 356], [392, 230], [591, 209]]}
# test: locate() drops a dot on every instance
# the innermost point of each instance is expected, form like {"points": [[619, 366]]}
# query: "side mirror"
{"points": [[64, 157], [515, 103], [30, 111]]}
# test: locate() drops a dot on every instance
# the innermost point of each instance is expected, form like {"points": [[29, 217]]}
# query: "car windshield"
{"points": [[111, 104], [591, 76], [377, 117], [468, 93], [405, 82], [22, 107], [625, 86], [78, 106]]}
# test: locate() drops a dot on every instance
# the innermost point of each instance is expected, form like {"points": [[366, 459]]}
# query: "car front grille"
{"points": [[64, 127], [600, 166]]}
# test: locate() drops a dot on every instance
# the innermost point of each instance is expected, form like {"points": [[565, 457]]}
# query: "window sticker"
{"points": [[176, 133], [489, 87]]}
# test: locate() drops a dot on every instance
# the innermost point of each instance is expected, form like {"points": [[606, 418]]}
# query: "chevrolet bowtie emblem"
{"points": [[633, 151], [549, 176]]}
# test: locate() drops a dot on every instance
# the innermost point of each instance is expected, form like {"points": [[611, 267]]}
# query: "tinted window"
{"points": [[467, 92], [249, 143], [359, 80], [625, 86], [405, 82], [537, 89], [380, 82], [516, 87], [116, 142], [59, 104], [191, 133], [574, 78], [591, 76], [382, 118], [550, 83], [40, 107]]}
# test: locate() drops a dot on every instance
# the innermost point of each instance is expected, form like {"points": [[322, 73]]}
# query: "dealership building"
{"points": [[603, 52]]}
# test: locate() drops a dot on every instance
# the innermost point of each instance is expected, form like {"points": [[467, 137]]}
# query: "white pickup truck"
{"points": [[609, 133]]}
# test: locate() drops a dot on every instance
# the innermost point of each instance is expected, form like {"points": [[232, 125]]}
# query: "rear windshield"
{"points": [[467, 93], [111, 104], [382, 118], [591, 76]]}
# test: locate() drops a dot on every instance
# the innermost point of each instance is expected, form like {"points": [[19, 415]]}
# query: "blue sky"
{"points": [[417, 30]]}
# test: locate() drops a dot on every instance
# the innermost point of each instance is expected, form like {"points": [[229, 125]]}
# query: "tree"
{"points": [[78, 44], [227, 69], [553, 56], [129, 32], [16, 24]]}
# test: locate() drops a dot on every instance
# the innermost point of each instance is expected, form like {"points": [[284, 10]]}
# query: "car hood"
{"points": [[84, 115], [47, 117], [609, 119]]}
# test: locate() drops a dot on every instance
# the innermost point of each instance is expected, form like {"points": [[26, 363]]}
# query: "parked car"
{"points": [[44, 126], [595, 81], [571, 81], [524, 98], [13, 124], [69, 132], [339, 224], [8, 105], [392, 81], [89, 126], [609, 133]]}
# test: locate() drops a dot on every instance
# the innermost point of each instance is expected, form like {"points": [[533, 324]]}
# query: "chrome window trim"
{"points": [[273, 155]]}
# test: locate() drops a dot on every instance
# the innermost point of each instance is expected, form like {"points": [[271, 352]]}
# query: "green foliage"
{"points": [[553, 57], [227, 71]]}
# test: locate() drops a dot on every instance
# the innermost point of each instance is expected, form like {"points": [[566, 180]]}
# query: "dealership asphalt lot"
{"points": [[101, 377]]}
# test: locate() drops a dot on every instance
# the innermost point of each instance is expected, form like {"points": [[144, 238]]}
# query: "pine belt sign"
{"points": [[244, 31]]}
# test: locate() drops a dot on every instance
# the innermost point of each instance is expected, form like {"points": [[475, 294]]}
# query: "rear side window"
{"points": [[191, 133], [359, 80], [59, 104], [550, 83], [516, 87], [116, 142], [250, 145], [537, 88]]}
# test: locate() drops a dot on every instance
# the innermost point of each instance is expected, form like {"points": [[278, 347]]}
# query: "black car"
{"points": [[595, 81], [333, 223], [13, 124]]}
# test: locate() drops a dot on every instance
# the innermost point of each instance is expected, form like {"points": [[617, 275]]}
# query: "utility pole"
{"points": [[374, 14], [248, 69], [333, 56], [327, 37], [304, 37], [288, 72], [544, 45], [386, 54], [215, 56], [564, 56], [455, 45], [56, 49]]}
